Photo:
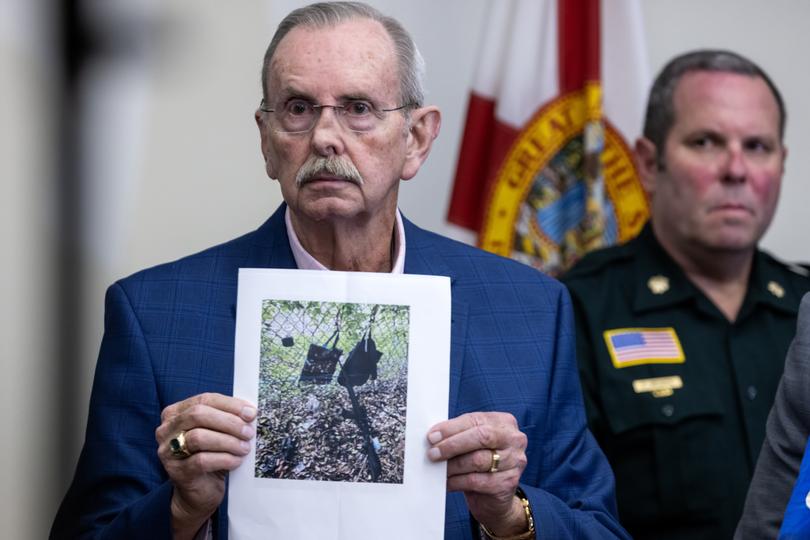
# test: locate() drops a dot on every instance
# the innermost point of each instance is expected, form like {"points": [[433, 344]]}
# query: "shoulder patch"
{"points": [[636, 346]]}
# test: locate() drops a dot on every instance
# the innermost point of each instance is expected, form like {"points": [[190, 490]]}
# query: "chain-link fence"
{"points": [[316, 423]]}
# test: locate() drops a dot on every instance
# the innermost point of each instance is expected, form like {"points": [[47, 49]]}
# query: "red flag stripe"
{"points": [[578, 43], [483, 147]]}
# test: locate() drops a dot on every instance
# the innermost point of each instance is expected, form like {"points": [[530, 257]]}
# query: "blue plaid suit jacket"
{"points": [[169, 334]]}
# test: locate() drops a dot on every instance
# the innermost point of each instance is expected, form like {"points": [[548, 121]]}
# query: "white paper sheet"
{"points": [[310, 472]]}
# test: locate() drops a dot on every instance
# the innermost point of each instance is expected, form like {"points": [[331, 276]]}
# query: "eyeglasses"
{"points": [[300, 116]]}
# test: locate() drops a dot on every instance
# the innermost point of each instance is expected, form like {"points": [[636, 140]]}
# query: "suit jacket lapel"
{"points": [[423, 256], [268, 247]]}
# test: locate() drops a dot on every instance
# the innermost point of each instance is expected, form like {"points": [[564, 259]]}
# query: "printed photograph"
{"points": [[333, 388]]}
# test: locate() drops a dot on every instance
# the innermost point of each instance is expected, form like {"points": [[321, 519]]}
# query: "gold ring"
{"points": [[496, 460], [178, 446]]}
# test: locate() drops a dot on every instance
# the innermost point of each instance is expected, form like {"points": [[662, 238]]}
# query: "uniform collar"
{"points": [[770, 285], [661, 283]]}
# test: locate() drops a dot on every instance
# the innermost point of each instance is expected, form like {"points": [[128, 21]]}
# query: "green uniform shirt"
{"points": [[677, 395]]}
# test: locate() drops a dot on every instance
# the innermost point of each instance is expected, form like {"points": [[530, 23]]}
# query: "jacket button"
{"points": [[751, 392], [668, 410]]}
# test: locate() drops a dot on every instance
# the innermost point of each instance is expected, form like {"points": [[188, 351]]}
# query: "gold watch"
{"points": [[528, 535]]}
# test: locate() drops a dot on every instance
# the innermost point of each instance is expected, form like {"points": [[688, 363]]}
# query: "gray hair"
{"points": [[661, 107], [327, 14]]}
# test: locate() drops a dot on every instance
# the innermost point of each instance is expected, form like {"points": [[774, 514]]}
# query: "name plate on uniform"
{"points": [[658, 386]]}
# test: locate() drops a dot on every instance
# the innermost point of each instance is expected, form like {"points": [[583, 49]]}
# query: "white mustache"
{"points": [[332, 166]]}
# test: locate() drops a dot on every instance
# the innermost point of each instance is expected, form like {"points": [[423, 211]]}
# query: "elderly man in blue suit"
{"points": [[342, 122]]}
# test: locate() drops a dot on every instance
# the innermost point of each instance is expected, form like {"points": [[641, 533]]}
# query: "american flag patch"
{"points": [[636, 346]]}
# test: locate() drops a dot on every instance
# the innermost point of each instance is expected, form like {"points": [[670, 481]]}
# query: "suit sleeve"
{"points": [[786, 434], [120, 489], [575, 495]]}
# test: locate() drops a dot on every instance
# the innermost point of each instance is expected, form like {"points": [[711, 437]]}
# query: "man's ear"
{"points": [[264, 134], [647, 160], [424, 127]]}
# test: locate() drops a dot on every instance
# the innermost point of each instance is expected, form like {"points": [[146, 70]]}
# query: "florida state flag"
{"points": [[545, 172]]}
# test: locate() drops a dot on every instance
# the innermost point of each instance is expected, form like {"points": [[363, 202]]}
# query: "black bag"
{"points": [[321, 361], [361, 363]]}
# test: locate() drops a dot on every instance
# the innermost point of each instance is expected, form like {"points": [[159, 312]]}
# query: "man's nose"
{"points": [[327, 133], [736, 166]]}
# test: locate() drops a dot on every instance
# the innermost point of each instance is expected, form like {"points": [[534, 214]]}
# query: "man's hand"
{"points": [[468, 443], [217, 430]]}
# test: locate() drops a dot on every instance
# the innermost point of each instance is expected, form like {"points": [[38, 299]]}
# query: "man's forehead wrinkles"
{"points": [[292, 91], [350, 94], [295, 82]]}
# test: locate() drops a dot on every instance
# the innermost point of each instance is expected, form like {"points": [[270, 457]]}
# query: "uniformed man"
{"points": [[682, 332]]}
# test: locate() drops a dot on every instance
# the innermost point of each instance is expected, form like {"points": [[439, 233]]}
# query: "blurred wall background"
{"points": [[151, 128]]}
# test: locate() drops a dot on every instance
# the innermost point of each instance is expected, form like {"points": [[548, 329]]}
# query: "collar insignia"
{"points": [[776, 289], [660, 284]]}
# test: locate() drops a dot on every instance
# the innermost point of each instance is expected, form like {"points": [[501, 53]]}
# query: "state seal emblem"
{"points": [[568, 185]]}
